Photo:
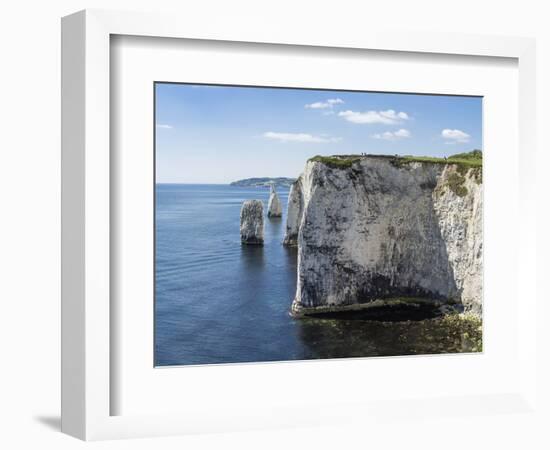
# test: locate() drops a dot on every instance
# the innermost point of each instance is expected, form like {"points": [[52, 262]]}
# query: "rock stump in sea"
{"points": [[274, 207], [252, 222]]}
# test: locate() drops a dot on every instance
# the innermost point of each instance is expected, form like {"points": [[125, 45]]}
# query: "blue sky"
{"points": [[218, 134]]}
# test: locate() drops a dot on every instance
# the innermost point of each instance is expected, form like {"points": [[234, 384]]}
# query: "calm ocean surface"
{"points": [[218, 301]]}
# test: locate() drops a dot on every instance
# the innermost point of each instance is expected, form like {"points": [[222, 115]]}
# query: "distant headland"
{"points": [[279, 182]]}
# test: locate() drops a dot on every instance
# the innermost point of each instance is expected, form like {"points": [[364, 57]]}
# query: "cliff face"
{"points": [[376, 229]]}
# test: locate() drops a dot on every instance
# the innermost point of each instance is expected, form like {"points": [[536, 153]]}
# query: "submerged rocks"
{"points": [[274, 208], [252, 222], [373, 230]]}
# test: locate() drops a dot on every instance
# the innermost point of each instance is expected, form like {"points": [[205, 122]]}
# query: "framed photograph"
{"points": [[267, 229], [332, 255]]}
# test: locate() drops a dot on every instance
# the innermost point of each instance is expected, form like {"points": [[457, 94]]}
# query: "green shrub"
{"points": [[456, 184], [337, 162]]}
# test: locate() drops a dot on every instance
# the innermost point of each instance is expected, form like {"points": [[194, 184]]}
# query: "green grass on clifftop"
{"points": [[337, 161], [470, 159], [465, 161]]}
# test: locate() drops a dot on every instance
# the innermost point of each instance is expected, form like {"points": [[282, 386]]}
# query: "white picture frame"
{"points": [[87, 354]]}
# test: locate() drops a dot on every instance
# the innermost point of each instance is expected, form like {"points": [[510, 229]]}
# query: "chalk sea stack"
{"points": [[252, 222], [374, 228], [293, 213], [274, 207]]}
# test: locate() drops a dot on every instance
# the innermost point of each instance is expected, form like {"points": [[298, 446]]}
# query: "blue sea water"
{"points": [[217, 301]]}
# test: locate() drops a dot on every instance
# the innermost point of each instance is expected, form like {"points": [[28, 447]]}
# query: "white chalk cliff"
{"points": [[274, 207], [378, 229], [252, 222]]}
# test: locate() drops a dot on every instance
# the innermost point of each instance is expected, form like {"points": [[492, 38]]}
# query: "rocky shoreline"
{"points": [[388, 309], [450, 333]]}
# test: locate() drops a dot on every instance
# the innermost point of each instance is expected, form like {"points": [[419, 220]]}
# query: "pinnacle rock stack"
{"points": [[293, 213], [252, 222], [274, 207]]}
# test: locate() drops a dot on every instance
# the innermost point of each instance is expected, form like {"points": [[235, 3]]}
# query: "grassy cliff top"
{"points": [[466, 160], [337, 161], [470, 159]]}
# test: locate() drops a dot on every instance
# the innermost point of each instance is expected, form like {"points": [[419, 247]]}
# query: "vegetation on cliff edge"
{"points": [[473, 159], [464, 162], [337, 161]]}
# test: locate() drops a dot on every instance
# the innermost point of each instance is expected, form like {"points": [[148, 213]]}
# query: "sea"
{"points": [[217, 301]]}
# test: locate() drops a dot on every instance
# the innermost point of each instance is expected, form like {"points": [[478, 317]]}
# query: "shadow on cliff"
{"points": [[423, 271], [415, 250]]}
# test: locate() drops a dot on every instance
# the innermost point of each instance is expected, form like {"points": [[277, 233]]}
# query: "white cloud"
{"points": [[299, 137], [402, 133], [388, 117], [453, 136], [324, 105], [393, 135], [163, 125]]}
